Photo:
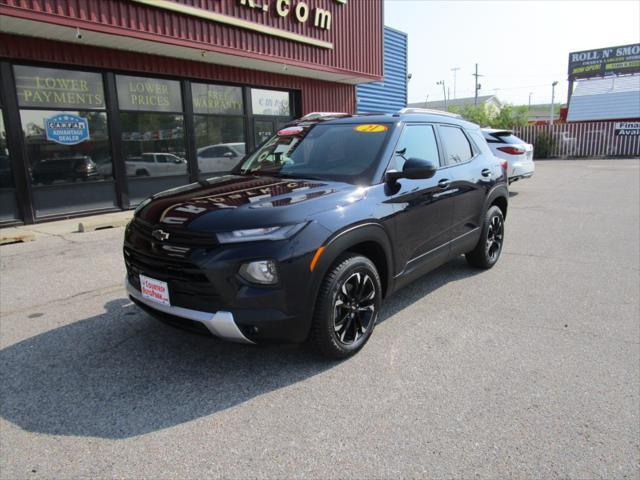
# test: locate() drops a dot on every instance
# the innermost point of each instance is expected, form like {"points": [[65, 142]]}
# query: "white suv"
{"points": [[518, 153]]}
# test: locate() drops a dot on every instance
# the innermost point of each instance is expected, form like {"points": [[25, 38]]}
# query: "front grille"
{"points": [[189, 287], [180, 238], [171, 261], [163, 268]]}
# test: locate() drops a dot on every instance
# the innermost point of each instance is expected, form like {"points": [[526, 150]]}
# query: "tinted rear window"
{"points": [[503, 137]]}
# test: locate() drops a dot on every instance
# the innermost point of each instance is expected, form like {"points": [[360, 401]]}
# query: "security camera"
{"points": [[78, 34]]}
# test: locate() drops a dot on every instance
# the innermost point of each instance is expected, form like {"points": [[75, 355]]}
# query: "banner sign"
{"points": [[624, 129], [148, 94], [57, 88], [604, 61], [66, 129], [210, 99]]}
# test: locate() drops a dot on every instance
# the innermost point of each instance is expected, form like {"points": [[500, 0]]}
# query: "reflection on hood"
{"points": [[230, 192]]}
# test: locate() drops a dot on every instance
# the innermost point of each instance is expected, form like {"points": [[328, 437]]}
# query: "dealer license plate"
{"points": [[155, 290]]}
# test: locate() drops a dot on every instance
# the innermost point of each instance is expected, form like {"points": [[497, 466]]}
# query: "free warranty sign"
{"points": [[627, 129], [66, 129]]}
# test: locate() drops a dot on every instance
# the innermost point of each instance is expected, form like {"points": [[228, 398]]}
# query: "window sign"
{"points": [[57, 88], [270, 102], [66, 129], [212, 99], [148, 94]]}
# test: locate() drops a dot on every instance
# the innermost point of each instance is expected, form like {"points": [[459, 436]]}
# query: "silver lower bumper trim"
{"points": [[221, 324]]}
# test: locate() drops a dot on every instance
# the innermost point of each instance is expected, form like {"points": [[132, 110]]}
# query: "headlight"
{"points": [[265, 233], [261, 271]]}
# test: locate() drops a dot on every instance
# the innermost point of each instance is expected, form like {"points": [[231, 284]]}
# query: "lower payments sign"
{"points": [[66, 129]]}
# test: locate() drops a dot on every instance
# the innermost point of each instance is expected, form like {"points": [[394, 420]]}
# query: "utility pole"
{"points": [[454, 70], [553, 98], [529, 109], [444, 93], [478, 86]]}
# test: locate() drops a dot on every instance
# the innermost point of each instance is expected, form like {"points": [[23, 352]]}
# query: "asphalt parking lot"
{"points": [[529, 370]]}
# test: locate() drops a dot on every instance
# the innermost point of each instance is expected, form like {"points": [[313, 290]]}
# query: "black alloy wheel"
{"points": [[347, 307], [495, 235], [487, 251], [354, 307]]}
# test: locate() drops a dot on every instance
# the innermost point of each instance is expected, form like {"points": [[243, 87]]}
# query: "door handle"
{"points": [[486, 172], [444, 183]]}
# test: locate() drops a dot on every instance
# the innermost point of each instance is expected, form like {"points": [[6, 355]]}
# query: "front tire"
{"points": [[347, 307], [487, 251]]}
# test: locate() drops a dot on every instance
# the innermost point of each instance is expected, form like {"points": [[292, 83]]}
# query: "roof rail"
{"points": [[426, 111], [324, 115]]}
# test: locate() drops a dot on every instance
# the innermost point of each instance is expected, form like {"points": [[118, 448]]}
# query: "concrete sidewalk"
{"points": [[27, 233]]}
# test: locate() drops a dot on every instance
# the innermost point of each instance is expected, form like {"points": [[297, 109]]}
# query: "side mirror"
{"points": [[228, 155], [413, 168]]}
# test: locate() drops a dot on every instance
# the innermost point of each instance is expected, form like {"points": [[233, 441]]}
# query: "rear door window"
{"points": [[456, 145]]}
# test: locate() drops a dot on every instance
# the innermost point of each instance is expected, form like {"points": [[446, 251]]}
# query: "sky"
{"points": [[521, 47]]}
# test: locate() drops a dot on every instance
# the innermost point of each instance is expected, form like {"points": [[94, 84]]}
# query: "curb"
{"points": [[15, 235]]}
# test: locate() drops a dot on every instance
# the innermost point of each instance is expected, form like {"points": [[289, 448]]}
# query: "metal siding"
{"points": [[356, 29], [389, 95], [605, 99], [317, 95]]}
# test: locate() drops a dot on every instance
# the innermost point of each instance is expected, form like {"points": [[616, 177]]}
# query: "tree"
{"points": [[508, 117]]}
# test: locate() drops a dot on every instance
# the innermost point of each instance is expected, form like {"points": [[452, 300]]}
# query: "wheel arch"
{"points": [[499, 197], [370, 240]]}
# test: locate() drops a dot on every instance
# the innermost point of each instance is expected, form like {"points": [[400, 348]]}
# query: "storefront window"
{"points": [[153, 144], [153, 137], [66, 137], [219, 127], [66, 147], [148, 94], [270, 102], [48, 88], [216, 99]]}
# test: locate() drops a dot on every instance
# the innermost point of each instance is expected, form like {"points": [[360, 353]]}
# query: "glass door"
{"points": [[263, 130]]}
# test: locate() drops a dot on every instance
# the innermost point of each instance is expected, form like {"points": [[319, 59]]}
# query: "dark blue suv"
{"points": [[310, 232]]}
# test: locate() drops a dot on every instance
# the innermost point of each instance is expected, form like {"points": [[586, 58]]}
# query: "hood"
{"points": [[238, 201]]}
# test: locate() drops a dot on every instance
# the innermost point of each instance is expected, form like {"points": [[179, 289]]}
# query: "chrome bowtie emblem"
{"points": [[160, 235]]}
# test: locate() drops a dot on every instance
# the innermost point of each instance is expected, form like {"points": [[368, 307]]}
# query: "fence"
{"points": [[589, 139]]}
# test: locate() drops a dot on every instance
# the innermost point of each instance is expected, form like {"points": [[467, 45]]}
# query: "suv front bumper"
{"points": [[221, 324]]}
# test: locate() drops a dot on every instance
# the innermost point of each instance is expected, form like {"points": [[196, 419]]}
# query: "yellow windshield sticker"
{"points": [[371, 128]]}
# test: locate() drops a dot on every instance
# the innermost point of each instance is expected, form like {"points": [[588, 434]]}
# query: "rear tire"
{"points": [[347, 307], [487, 251]]}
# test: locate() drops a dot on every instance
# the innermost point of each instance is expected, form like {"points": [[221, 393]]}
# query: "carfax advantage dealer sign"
{"points": [[604, 61]]}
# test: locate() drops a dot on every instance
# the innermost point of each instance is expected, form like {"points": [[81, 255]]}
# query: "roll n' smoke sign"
{"points": [[604, 61]]}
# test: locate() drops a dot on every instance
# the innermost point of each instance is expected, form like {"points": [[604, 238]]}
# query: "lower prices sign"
{"points": [[66, 129]]}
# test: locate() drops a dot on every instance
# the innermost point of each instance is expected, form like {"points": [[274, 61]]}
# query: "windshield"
{"points": [[344, 152]]}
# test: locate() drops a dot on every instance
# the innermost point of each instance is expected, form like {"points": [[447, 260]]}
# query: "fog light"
{"points": [[260, 271]]}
